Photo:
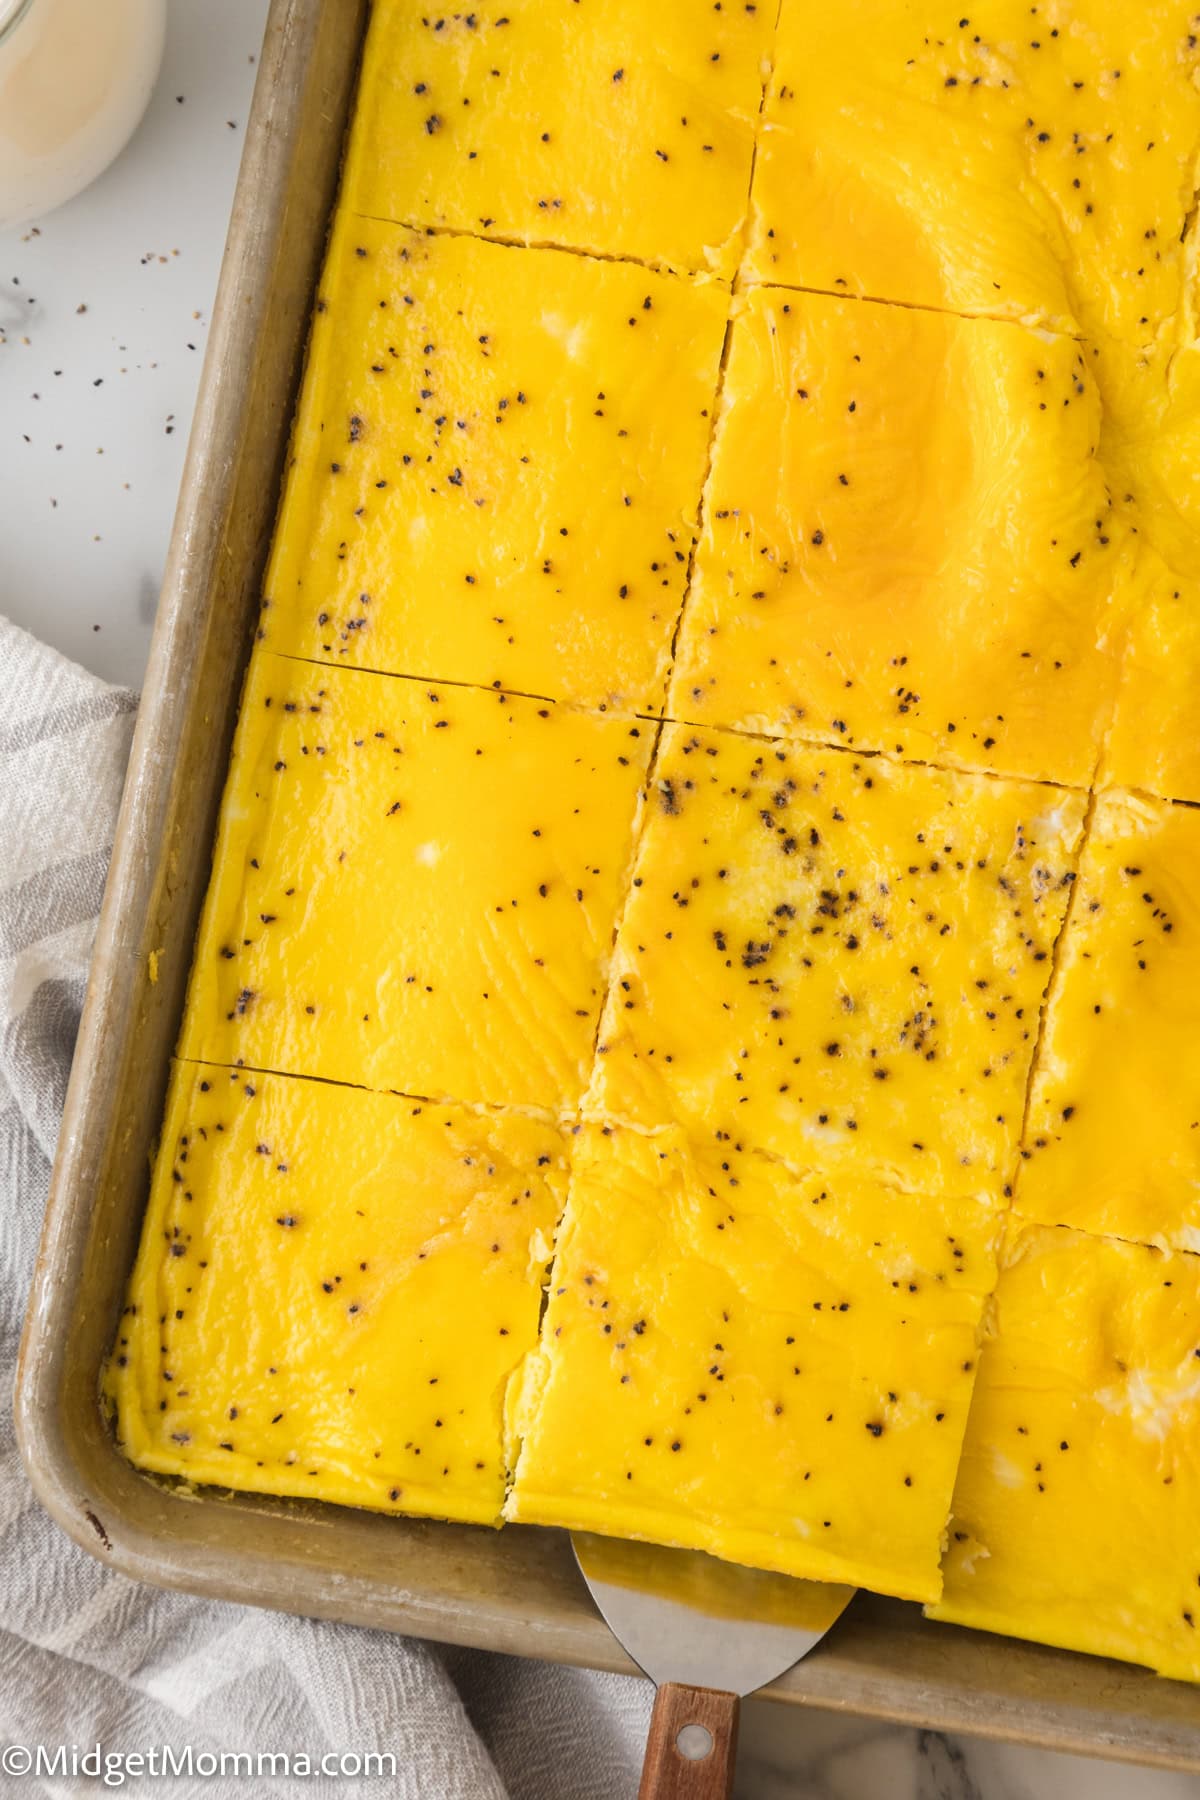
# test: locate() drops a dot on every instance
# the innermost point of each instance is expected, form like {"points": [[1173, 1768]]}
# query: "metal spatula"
{"points": [[706, 1633]]}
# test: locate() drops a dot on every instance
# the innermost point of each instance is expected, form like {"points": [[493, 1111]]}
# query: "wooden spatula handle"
{"points": [[692, 1745]]}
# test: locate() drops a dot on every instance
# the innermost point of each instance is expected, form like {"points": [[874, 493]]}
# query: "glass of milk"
{"points": [[75, 77]]}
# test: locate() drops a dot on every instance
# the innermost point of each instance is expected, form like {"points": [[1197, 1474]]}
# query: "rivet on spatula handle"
{"points": [[692, 1745]]}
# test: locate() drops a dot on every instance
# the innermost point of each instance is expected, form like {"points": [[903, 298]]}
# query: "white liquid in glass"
{"points": [[75, 77]]}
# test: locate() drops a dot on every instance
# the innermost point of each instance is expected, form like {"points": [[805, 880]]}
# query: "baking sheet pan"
{"points": [[515, 1590]]}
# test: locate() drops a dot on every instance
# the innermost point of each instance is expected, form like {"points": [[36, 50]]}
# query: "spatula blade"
{"points": [[689, 1618]]}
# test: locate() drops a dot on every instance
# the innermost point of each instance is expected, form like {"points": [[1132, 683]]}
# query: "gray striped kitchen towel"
{"points": [[86, 1657]]}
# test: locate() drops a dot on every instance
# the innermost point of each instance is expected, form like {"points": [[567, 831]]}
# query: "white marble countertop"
{"points": [[104, 307]]}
